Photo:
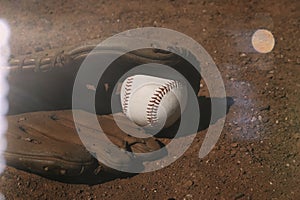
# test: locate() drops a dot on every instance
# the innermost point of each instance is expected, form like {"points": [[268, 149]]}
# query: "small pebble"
{"points": [[253, 119], [243, 55], [188, 196], [243, 149], [234, 145], [188, 184], [238, 128]]}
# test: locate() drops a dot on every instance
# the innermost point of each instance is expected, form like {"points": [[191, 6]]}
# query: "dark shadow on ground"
{"points": [[205, 116]]}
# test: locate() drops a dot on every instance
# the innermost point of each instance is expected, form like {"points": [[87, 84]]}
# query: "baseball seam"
{"points": [[153, 105], [127, 92]]}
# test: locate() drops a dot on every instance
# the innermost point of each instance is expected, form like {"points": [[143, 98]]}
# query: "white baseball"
{"points": [[153, 102]]}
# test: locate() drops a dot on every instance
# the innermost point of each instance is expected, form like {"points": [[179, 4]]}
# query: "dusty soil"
{"points": [[258, 154]]}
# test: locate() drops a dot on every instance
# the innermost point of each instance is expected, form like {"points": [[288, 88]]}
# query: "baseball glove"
{"points": [[47, 143], [42, 137], [44, 81]]}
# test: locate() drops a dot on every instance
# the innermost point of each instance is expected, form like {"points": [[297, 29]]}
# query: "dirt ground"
{"points": [[258, 154]]}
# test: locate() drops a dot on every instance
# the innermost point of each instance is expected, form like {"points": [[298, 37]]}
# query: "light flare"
{"points": [[4, 55], [263, 41]]}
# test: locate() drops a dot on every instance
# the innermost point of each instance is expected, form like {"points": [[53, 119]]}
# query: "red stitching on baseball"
{"points": [[155, 100], [128, 86]]}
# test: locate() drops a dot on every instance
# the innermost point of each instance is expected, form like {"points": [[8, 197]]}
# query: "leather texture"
{"points": [[48, 144]]}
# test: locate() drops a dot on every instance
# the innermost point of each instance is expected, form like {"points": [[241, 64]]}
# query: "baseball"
{"points": [[153, 102]]}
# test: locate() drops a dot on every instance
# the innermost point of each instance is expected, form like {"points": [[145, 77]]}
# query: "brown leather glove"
{"points": [[44, 81], [42, 137], [47, 143]]}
